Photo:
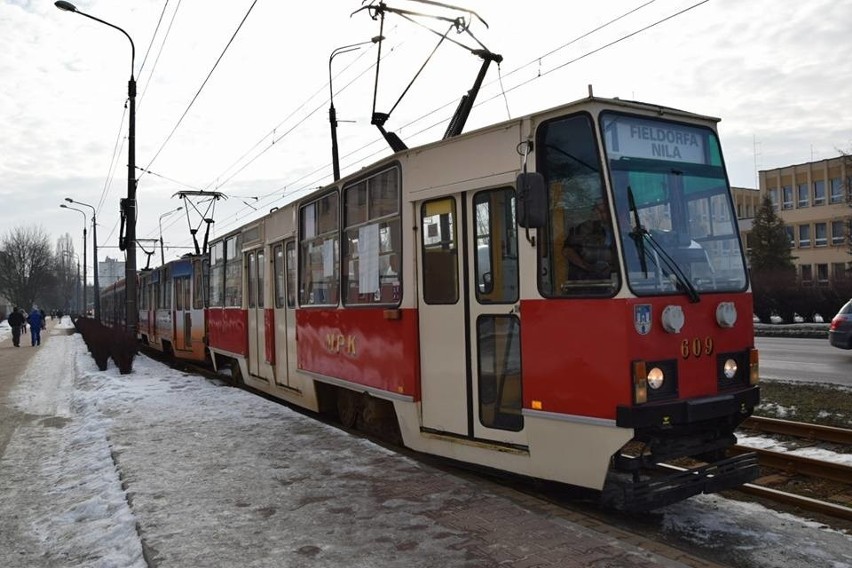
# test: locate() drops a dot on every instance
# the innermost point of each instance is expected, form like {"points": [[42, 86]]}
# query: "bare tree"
{"points": [[67, 274], [26, 265]]}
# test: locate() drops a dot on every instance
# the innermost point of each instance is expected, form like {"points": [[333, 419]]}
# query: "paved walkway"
{"points": [[214, 476], [13, 363]]}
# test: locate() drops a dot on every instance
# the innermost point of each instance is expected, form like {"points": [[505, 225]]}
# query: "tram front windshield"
{"points": [[675, 217]]}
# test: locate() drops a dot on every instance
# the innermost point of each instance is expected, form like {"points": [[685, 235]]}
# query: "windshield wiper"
{"points": [[639, 234], [636, 231]]}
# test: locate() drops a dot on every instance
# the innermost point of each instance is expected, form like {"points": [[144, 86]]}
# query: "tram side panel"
{"points": [[374, 348]]}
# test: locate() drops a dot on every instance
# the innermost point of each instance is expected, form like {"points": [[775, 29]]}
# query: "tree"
{"points": [[771, 259], [67, 275], [770, 243], [26, 265]]}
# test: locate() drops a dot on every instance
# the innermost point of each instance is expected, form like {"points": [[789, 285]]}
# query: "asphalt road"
{"points": [[798, 359]]}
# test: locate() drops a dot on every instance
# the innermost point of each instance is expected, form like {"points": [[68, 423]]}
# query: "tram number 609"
{"points": [[696, 347]]}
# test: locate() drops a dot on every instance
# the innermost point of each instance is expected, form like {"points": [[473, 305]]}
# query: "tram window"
{"points": [[578, 253], [278, 269], [261, 277], [143, 294], [165, 289], [440, 251], [320, 242], [252, 279], [199, 271], [372, 241], [499, 361], [291, 274], [217, 275], [233, 273], [496, 261], [179, 294]]}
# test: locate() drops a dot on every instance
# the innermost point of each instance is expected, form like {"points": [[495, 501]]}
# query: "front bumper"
{"points": [[688, 412]]}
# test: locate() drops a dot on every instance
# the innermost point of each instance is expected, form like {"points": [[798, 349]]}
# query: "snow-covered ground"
{"points": [[104, 466]]}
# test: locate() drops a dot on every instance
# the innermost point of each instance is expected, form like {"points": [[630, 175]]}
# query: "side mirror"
{"points": [[532, 201]]}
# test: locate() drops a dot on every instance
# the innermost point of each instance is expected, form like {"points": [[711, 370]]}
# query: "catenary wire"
{"points": [[194, 98]]}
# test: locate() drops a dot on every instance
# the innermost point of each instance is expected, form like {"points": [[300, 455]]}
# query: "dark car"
{"points": [[840, 332]]}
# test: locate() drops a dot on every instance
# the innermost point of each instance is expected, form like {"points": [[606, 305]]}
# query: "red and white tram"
{"points": [[430, 292]]}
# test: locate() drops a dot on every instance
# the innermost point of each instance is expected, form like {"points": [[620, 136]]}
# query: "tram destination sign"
{"points": [[657, 140]]}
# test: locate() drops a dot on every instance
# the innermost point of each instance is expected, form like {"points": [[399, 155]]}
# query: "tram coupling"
{"points": [[630, 493]]}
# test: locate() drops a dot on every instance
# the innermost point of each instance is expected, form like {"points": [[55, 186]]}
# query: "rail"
{"points": [[799, 430]]}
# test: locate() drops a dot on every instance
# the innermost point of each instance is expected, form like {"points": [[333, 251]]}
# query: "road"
{"points": [[811, 360]]}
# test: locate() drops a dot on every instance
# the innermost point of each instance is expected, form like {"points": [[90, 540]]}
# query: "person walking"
{"points": [[35, 320], [16, 320]]}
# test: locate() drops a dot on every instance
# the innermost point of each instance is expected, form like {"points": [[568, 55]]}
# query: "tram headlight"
{"points": [[729, 368], [656, 377]]}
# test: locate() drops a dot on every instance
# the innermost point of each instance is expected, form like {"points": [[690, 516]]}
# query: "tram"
{"points": [[171, 308], [430, 295]]}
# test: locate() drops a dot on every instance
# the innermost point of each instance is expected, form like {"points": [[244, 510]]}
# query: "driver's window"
{"points": [[579, 255]]}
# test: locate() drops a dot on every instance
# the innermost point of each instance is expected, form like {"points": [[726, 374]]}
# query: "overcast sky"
{"points": [[774, 72]]}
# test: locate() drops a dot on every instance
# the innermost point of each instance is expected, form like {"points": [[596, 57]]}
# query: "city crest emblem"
{"points": [[642, 318]]}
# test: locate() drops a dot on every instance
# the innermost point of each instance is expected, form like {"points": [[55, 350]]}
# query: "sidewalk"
{"points": [[159, 468]]}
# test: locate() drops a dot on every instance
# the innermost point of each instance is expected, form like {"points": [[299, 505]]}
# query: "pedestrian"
{"points": [[35, 321], [16, 320], [43, 319]]}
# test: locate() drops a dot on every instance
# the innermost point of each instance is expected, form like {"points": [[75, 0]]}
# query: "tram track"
{"points": [[809, 484]]}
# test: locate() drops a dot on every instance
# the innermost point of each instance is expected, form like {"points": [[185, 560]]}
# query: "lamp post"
{"points": [[128, 205], [97, 291], [83, 213], [332, 113], [160, 222]]}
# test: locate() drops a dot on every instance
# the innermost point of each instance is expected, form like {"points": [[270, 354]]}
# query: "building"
{"points": [[815, 201], [746, 201], [110, 271]]}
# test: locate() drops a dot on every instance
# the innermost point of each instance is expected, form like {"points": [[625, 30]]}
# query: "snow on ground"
{"points": [[764, 443], [105, 466]]}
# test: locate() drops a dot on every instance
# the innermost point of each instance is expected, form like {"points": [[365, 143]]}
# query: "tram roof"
{"points": [[587, 103]]}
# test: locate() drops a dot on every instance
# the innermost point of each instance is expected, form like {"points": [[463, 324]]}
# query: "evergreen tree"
{"points": [[770, 243], [773, 274]]}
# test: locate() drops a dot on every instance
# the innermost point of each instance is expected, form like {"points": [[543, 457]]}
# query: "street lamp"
{"points": [[83, 213], [160, 222], [332, 113], [128, 205], [97, 291]]}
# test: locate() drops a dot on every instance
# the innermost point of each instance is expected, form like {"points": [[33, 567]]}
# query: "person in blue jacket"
{"points": [[35, 320]]}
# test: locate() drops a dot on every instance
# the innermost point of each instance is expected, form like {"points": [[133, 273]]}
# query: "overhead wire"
{"points": [[201, 88], [290, 194], [159, 51]]}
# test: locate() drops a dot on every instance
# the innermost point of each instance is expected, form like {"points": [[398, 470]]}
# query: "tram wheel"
{"points": [[348, 407], [236, 374]]}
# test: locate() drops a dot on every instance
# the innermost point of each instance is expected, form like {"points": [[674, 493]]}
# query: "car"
{"points": [[840, 330]]}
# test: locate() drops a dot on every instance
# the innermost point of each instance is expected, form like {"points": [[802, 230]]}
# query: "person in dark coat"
{"points": [[16, 320], [35, 320]]}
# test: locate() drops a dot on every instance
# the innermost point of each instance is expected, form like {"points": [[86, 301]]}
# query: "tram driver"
{"points": [[589, 247]]}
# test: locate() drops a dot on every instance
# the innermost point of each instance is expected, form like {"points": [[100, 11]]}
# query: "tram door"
{"points": [[284, 268], [183, 315], [470, 334], [260, 358], [494, 322]]}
